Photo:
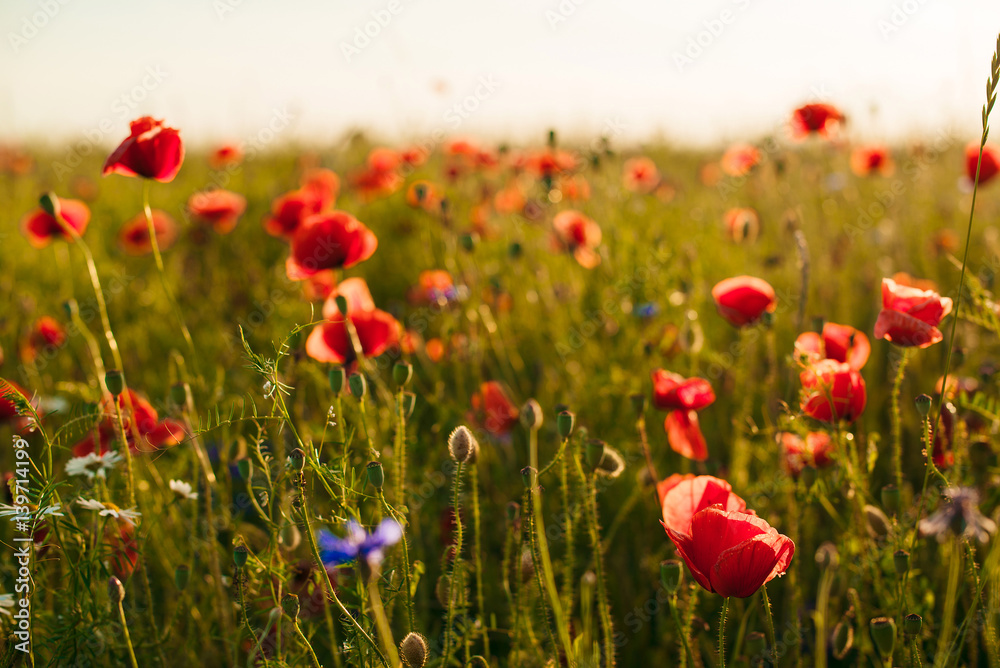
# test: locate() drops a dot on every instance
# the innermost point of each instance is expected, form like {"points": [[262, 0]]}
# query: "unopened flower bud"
{"points": [[376, 476], [883, 631], [923, 403], [565, 422], [513, 511], [912, 624], [891, 499], [529, 476], [409, 402], [290, 604], [843, 638], [336, 378], [514, 250], [442, 590], [462, 445], [358, 385], [531, 415], [413, 650], [341, 302], [594, 453], [50, 204], [901, 562], [401, 373], [240, 555], [245, 468], [671, 575], [298, 459], [182, 574], [115, 382], [116, 592], [468, 242]]}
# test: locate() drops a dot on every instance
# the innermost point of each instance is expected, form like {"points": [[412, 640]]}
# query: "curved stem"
{"points": [[128, 638]]}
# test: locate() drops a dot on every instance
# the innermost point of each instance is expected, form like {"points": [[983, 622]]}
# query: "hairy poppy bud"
{"points": [[376, 476], [50, 204], [883, 631], [891, 499], [298, 459], [531, 415], [290, 604], [182, 574], [116, 592], [240, 555], [912, 624], [115, 382], [565, 423], [442, 590], [462, 445], [401, 373], [923, 403], [901, 562], [671, 575], [358, 385], [413, 650], [336, 377]]}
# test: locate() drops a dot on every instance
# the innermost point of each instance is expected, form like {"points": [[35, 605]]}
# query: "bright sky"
{"points": [[691, 71]]}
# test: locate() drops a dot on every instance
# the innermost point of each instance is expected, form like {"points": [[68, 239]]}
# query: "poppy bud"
{"points": [[182, 574], [565, 422], [442, 590], [767, 319], [514, 250], [468, 242], [50, 204], [462, 445], [671, 575], [529, 476], [409, 401], [638, 404], [298, 459], [890, 499], [116, 592], [376, 476], [843, 638], [245, 468], [531, 415], [179, 394], [358, 385], [115, 382], [336, 377], [901, 561], [290, 604], [240, 555], [923, 404], [827, 555], [912, 623], [413, 650], [594, 453], [341, 302], [612, 464], [883, 631], [513, 511], [478, 662], [756, 644], [401, 373], [878, 523]]}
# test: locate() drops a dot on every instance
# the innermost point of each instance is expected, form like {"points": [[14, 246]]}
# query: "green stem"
{"points": [[128, 638], [897, 421], [454, 584], [305, 642], [770, 625], [406, 561], [477, 560], [722, 633], [381, 621], [680, 630]]}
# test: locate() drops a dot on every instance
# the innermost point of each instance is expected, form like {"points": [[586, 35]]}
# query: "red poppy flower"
{"points": [[868, 160], [46, 334], [494, 410], [640, 175], [733, 553], [8, 411], [375, 183], [383, 159], [289, 210], [41, 228], [910, 316], [219, 208], [225, 155], [120, 535], [424, 195], [461, 147], [742, 225], [433, 286], [574, 188], [742, 300], [739, 159], [690, 495], [821, 119], [509, 199], [814, 450], [134, 235], [903, 278], [842, 343], [331, 240], [152, 151], [684, 435], [832, 391], [319, 286], [672, 391], [324, 184], [376, 330], [549, 163], [579, 235], [990, 166], [414, 156], [153, 432]]}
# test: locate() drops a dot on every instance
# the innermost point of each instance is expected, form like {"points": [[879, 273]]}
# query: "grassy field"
{"points": [[568, 572]]}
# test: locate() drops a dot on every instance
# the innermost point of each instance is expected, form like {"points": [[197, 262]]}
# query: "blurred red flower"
{"points": [[742, 300], [832, 391], [133, 237], [376, 330], [683, 397], [814, 450], [819, 119], [494, 410], [682, 498], [910, 316], [225, 155], [219, 208], [289, 210], [324, 184], [640, 175], [739, 159], [732, 552], [153, 432], [46, 333], [152, 151], [990, 166], [868, 160], [579, 235], [842, 343], [742, 224], [41, 228], [331, 240]]}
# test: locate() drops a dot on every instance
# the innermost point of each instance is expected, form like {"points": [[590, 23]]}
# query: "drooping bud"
{"points": [[513, 511], [531, 415], [182, 575], [878, 524], [565, 422], [612, 464], [376, 476], [901, 562], [409, 402], [923, 403], [671, 575], [891, 499], [115, 382], [50, 204], [594, 453], [401, 373], [336, 377], [298, 459], [827, 555], [843, 638], [116, 592], [478, 662], [245, 468], [290, 604], [358, 385], [240, 555], [912, 624], [462, 445], [413, 650], [341, 302], [883, 631]]}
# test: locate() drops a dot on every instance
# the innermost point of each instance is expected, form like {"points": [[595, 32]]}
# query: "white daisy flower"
{"points": [[93, 465], [110, 510], [6, 603], [183, 489]]}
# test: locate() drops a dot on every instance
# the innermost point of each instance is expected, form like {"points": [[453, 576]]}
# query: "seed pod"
{"points": [[923, 403], [115, 382], [531, 415], [358, 385], [912, 624], [883, 631], [901, 561], [376, 476], [298, 459], [594, 453], [529, 476], [240, 555], [565, 423], [336, 377], [413, 650]]}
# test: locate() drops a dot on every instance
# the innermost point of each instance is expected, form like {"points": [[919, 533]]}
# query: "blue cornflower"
{"points": [[647, 310], [336, 551]]}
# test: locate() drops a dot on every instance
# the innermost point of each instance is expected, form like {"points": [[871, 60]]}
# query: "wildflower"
{"points": [[742, 300], [739, 159], [868, 160], [820, 119], [221, 209], [990, 165], [910, 316], [742, 225], [152, 151], [183, 490], [960, 514], [93, 465], [813, 450], [494, 409], [640, 175], [41, 228], [683, 397], [289, 210], [732, 553], [329, 241], [832, 391], [376, 330], [579, 235], [842, 343], [46, 334], [133, 237], [110, 510], [336, 551], [153, 432], [225, 155], [682, 497], [324, 184]]}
